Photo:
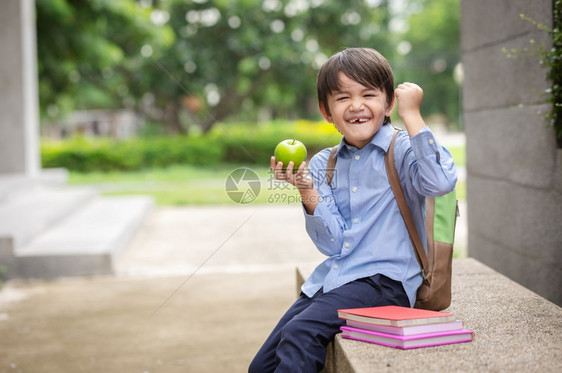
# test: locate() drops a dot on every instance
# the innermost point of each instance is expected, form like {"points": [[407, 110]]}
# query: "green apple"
{"points": [[290, 150]]}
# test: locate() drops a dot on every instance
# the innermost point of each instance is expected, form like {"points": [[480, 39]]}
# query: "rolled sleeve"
{"points": [[432, 168], [326, 239], [425, 145]]}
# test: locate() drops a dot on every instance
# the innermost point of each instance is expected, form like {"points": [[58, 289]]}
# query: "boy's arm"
{"points": [[310, 198], [431, 167], [324, 224], [409, 96]]}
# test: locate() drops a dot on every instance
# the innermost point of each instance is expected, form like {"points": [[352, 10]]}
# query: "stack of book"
{"points": [[402, 327]]}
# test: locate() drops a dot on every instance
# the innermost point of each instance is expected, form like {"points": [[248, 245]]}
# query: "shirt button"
{"points": [[357, 157], [347, 244], [332, 239], [355, 220], [335, 266], [354, 189], [431, 141]]}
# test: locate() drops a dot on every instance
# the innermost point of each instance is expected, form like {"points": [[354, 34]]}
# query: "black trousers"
{"points": [[298, 342]]}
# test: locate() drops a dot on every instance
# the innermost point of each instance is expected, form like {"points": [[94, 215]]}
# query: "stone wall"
{"points": [[514, 168]]}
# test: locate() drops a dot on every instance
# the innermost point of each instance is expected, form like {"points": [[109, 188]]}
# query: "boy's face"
{"points": [[357, 111]]}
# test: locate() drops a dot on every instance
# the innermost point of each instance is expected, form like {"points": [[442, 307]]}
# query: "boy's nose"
{"points": [[357, 104]]}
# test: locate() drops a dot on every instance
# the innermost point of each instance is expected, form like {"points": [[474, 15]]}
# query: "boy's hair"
{"points": [[364, 65]]}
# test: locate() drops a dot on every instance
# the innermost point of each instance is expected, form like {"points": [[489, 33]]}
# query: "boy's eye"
{"points": [[341, 98]]}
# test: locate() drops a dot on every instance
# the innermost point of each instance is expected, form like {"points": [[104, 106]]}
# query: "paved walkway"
{"points": [[197, 290]]}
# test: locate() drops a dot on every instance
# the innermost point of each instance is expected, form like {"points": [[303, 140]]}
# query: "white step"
{"points": [[27, 212], [86, 242], [17, 182]]}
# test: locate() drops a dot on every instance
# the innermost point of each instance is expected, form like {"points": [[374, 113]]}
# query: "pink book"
{"points": [[407, 330], [407, 342]]}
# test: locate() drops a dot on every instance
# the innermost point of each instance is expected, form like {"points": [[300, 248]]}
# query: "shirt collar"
{"points": [[382, 140], [383, 137]]}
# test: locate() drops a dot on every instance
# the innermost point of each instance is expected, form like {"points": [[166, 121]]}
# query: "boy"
{"points": [[356, 221]]}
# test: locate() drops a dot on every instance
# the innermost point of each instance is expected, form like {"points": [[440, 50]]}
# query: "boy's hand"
{"points": [[299, 178], [409, 98]]}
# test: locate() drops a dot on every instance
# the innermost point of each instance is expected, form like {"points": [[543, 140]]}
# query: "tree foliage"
{"points": [[88, 52], [195, 62]]}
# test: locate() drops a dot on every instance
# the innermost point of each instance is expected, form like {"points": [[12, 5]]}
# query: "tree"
{"points": [[235, 58], [189, 63], [89, 52], [196, 62]]}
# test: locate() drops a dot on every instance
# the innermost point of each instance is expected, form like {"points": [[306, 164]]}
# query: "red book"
{"points": [[395, 316]]}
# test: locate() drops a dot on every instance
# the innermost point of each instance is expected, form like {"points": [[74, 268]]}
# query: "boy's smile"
{"points": [[357, 111]]}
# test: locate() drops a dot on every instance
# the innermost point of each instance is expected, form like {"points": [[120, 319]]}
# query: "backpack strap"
{"points": [[331, 165], [394, 180]]}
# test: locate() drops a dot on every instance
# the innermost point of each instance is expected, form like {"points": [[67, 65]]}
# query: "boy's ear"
{"points": [[390, 107], [326, 113]]}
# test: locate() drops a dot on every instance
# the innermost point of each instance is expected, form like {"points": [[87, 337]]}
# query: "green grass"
{"points": [[190, 185], [184, 185], [168, 174]]}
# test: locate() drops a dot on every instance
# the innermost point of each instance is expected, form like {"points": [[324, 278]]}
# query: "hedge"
{"points": [[233, 143]]}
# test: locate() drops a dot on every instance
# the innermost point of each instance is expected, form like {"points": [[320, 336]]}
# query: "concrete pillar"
{"points": [[19, 119], [514, 167]]}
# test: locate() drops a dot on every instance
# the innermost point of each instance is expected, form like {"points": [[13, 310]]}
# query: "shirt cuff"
{"points": [[316, 220], [424, 144]]}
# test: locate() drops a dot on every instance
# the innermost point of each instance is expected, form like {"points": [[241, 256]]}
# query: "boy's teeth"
{"points": [[360, 120]]}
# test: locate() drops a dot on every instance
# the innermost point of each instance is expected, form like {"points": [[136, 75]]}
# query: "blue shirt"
{"points": [[357, 223]]}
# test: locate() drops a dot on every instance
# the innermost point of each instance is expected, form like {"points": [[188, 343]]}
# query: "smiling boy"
{"points": [[355, 220]]}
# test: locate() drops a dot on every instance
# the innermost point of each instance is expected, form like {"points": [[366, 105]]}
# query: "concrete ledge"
{"points": [[515, 329]]}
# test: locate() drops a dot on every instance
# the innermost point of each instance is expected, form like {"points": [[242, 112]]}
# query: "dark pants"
{"points": [[298, 342]]}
